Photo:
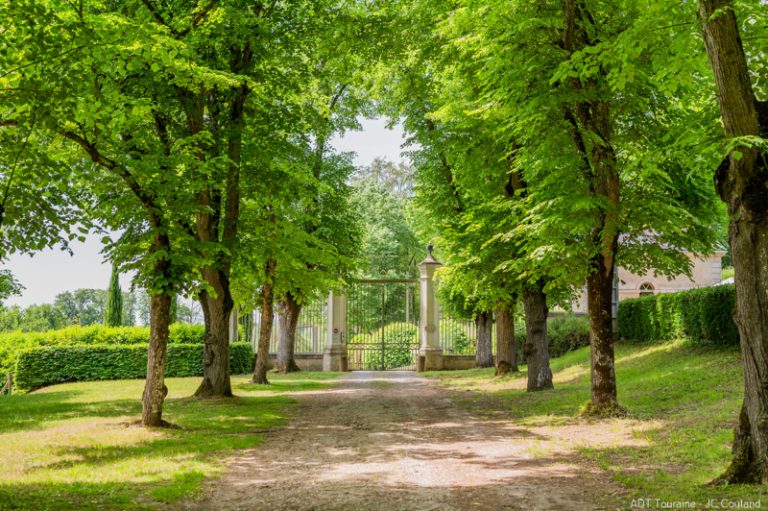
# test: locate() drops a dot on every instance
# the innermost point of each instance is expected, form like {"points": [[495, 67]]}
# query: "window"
{"points": [[646, 289]]}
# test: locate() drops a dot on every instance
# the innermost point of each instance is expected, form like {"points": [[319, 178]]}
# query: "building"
{"points": [[705, 271]]}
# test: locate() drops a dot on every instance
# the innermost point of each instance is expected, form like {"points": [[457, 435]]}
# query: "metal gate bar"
{"points": [[382, 322]]}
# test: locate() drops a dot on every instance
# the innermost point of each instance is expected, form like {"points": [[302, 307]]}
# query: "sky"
{"points": [[52, 271]]}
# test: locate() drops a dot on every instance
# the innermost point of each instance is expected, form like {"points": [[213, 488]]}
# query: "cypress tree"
{"points": [[113, 315]]}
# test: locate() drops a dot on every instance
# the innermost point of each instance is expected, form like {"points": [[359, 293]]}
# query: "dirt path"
{"points": [[393, 441]]}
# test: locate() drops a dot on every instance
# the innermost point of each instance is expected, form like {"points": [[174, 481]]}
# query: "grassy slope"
{"points": [[683, 401], [71, 447]]}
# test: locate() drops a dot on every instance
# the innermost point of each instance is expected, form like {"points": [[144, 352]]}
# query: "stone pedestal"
{"points": [[335, 353], [430, 352]]}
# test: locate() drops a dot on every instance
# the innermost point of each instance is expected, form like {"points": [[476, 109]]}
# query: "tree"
{"points": [[113, 315], [129, 309], [82, 306], [741, 182], [396, 178], [126, 150], [41, 318], [9, 286], [561, 84], [390, 248]]}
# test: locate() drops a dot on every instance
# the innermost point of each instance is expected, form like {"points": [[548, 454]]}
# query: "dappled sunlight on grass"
{"points": [[75, 445], [683, 402]]}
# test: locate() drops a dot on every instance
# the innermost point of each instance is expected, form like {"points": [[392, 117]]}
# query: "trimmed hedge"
{"points": [[704, 316], [13, 343], [43, 366]]}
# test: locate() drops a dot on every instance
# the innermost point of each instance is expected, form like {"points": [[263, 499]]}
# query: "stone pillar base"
{"points": [[430, 359], [335, 359]]}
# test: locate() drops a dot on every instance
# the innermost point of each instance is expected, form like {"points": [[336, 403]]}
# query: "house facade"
{"points": [[705, 271]]}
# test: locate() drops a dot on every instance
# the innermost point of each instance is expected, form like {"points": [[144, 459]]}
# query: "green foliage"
{"points": [[702, 315], [113, 315], [12, 343], [381, 199], [82, 306], [566, 333], [400, 340], [35, 318], [43, 366], [9, 286], [456, 337]]}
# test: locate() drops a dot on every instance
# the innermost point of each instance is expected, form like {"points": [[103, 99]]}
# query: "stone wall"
{"points": [[305, 361]]}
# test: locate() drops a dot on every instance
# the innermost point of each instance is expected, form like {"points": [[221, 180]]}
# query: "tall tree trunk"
{"points": [[289, 313], [601, 338], [216, 311], [506, 351], [484, 353], [154, 388], [742, 182], [536, 348], [592, 132], [261, 364]]}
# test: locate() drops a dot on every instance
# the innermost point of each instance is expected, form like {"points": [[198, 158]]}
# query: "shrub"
{"points": [[704, 316], [12, 343], [566, 333], [399, 339], [38, 367], [455, 338]]}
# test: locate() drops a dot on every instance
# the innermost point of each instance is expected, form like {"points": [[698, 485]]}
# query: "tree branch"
{"points": [[158, 17], [23, 66], [199, 18]]}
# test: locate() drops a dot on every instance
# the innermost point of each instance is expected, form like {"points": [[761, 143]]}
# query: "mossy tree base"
{"points": [[504, 368], [607, 410]]}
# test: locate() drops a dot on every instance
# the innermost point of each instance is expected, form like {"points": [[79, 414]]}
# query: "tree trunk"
{"points": [[601, 338], [741, 181], [289, 320], [154, 388], [506, 351], [484, 353], [261, 364], [536, 348], [8, 387], [216, 311], [592, 131]]}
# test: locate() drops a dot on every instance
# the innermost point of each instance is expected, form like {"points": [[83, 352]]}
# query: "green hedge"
{"points": [[704, 316], [566, 333], [13, 343], [43, 366]]}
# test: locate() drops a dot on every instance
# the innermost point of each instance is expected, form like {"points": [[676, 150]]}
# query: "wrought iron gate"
{"points": [[383, 325]]}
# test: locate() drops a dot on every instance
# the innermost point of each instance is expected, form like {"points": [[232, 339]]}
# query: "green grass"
{"points": [[72, 446], [683, 403]]}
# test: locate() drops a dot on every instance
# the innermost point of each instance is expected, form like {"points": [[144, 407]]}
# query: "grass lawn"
{"points": [[683, 402], [72, 446]]}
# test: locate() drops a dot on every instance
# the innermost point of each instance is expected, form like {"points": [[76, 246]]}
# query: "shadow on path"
{"points": [[393, 441]]}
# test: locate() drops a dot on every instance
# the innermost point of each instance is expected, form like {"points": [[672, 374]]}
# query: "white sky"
{"points": [[51, 272]]}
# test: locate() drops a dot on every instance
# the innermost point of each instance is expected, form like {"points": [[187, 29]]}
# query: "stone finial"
{"points": [[430, 256]]}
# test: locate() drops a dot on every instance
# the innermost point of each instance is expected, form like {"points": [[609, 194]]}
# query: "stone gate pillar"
{"points": [[335, 354], [430, 352]]}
